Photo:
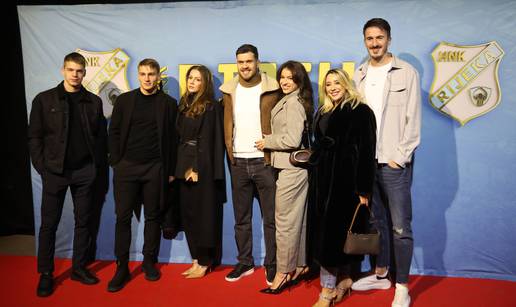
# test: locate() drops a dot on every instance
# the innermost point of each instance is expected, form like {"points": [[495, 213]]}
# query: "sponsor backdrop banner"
{"points": [[464, 188]]}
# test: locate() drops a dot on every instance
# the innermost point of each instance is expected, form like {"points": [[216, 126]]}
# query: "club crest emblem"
{"points": [[106, 75], [466, 82]]}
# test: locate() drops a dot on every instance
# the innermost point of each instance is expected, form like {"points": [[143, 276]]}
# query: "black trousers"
{"points": [[201, 215], [80, 182], [136, 183], [249, 176]]}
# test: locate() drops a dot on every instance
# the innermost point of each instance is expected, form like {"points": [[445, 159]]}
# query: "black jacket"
{"points": [[120, 127], [49, 128], [165, 117]]}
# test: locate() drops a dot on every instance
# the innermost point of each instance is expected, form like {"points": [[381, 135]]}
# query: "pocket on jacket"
{"points": [[56, 118], [51, 149], [93, 120], [397, 95]]}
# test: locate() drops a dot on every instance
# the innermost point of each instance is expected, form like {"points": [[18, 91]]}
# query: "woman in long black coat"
{"points": [[344, 158], [200, 170]]}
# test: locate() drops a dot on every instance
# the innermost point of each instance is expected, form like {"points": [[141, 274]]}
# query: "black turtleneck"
{"points": [[143, 142], [77, 152]]}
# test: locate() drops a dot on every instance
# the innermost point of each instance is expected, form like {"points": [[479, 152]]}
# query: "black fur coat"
{"points": [[344, 168]]}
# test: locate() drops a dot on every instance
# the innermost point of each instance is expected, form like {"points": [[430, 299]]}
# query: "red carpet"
{"points": [[18, 288]]}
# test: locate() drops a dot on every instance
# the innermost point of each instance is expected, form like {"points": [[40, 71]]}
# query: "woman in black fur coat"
{"points": [[344, 158]]}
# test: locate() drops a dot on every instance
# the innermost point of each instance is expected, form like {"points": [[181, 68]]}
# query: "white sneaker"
{"points": [[371, 282], [401, 297]]}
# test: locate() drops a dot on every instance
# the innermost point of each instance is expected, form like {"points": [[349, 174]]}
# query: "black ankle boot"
{"points": [[150, 270], [45, 285], [84, 276], [121, 277]]}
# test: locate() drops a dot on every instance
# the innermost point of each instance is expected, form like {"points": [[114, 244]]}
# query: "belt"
{"points": [[250, 159], [382, 165], [190, 143]]}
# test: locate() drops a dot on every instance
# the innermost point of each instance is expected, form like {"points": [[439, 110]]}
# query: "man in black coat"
{"points": [[143, 146], [67, 143]]}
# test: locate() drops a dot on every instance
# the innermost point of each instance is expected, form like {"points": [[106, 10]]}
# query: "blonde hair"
{"points": [[351, 95]]}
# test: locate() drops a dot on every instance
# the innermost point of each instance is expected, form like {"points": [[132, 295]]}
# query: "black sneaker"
{"points": [[240, 271], [45, 285], [122, 276], [270, 273]]}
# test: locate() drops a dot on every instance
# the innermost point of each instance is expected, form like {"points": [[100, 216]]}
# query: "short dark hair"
{"points": [[76, 58], [379, 23], [245, 48], [151, 63]]}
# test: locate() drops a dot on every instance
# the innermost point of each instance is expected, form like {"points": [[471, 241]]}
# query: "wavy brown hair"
{"points": [[300, 78], [194, 104]]}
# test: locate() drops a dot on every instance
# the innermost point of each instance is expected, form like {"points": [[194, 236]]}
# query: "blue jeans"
{"points": [[392, 216], [331, 275], [247, 177]]}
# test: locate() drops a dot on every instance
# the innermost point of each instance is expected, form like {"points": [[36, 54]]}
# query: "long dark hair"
{"points": [[194, 104], [300, 78]]}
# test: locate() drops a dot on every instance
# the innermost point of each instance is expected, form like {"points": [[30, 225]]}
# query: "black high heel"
{"points": [[305, 275], [285, 284]]}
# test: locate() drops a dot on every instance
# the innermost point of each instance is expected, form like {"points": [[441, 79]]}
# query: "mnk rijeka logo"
{"points": [[466, 82], [106, 75]]}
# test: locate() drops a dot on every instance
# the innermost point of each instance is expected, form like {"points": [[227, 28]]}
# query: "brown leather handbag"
{"points": [[361, 243], [301, 157]]}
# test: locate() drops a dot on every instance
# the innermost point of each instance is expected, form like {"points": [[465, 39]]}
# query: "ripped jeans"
{"points": [[392, 216]]}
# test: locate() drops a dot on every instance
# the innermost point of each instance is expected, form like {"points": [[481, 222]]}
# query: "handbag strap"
{"points": [[306, 136], [355, 215]]}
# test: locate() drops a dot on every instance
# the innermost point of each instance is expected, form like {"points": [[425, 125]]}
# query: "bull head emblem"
{"points": [[479, 95]]}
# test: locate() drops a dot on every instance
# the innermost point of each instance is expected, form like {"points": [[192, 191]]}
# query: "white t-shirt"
{"points": [[247, 124], [374, 87]]}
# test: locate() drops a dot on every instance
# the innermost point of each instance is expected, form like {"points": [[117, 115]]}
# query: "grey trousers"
{"points": [[290, 216]]}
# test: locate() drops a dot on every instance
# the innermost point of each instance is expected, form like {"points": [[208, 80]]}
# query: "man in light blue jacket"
{"points": [[390, 86]]}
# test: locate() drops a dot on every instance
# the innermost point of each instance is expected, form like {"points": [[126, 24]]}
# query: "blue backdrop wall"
{"points": [[464, 194]]}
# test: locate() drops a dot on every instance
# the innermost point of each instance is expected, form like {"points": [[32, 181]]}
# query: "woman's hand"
{"points": [[191, 175], [260, 144], [364, 200]]}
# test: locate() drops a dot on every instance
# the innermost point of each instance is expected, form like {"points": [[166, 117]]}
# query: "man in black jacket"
{"points": [[67, 143], [143, 146]]}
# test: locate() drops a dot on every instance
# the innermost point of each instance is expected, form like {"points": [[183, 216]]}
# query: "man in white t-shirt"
{"points": [[248, 101], [391, 88]]}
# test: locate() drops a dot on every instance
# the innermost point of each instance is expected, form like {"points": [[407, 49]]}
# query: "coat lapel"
{"points": [[160, 114], [277, 108], [126, 121]]}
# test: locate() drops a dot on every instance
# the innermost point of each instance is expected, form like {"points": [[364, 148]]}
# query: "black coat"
{"points": [[49, 128], [166, 112], [345, 167], [207, 131], [201, 202]]}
